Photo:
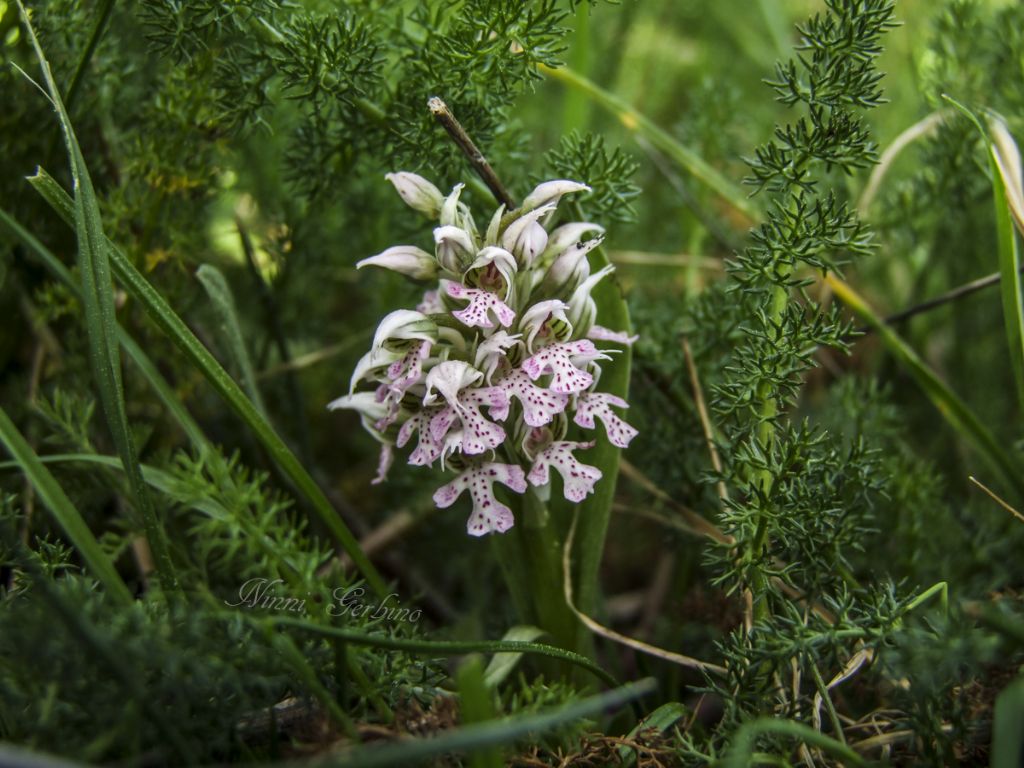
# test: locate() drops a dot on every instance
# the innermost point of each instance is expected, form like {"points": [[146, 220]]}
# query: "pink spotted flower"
{"points": [[495, 376]]}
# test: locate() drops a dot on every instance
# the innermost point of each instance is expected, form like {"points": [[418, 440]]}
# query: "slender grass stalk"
{"points": [[174, 327], [596, 510], [476, 705], [141, 360], [473, 738], [1002, 157], [741, 753], [98, 29], [448, 647], [101, 323], [291, 654], [223, 302], [1007, 738], [1009, 268], [954, 410], [636, 122], [63, 511]]}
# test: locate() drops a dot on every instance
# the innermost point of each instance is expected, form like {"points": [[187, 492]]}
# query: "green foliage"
{"points": [[608, 174], [252, 136]]}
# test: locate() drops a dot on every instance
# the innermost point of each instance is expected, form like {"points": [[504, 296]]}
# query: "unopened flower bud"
{"points": [[570, 269], [582, 309], [455, 249], [417, 192], [566, 236], [550, 192], [526, 237], [405, 259]]}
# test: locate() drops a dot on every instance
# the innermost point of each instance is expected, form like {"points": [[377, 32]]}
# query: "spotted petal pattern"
{"points": [[561, 361], [600, 404], [489, 514], [578, 479], [408, 371], [428, 449], [453, 380], [481, 306], [539, 405]]}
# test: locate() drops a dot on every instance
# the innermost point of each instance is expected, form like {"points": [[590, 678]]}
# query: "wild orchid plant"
{"points": [[510, 328]]}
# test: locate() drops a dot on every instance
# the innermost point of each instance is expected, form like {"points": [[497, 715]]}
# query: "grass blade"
{"points": [[1005, 161], [473, 738], [219, 291], [476, 705], [63, 511], [954, 410], [141, 360], [743, 743], [1004, 170], [101, 323], [502, 664], [174, 327], [638, 123], [449, 647], [1007, 737], [597, 509]]}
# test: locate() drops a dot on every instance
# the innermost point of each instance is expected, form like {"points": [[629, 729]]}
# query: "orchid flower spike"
{"points": [[496, 372]]}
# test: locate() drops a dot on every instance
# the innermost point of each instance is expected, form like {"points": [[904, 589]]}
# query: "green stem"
{"points": [[102, 19], [530, 556]]}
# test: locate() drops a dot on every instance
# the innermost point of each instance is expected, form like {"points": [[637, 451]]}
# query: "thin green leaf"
{"points": [[288, 651], [182, 493], [142, 361], [476, 705], [596, 511], [448, 647], [223, 301], [473, 738], [634, 121], [1003, 158], [24, 758], [744, 742], [174, 327], [660, 720], [502, 664], [954, 410], [1007, 736], [1004, 170], [101, 323], [64, 512]]}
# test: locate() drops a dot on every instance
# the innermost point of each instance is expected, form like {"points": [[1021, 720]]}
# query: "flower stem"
{"points": [[531, 560]]}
